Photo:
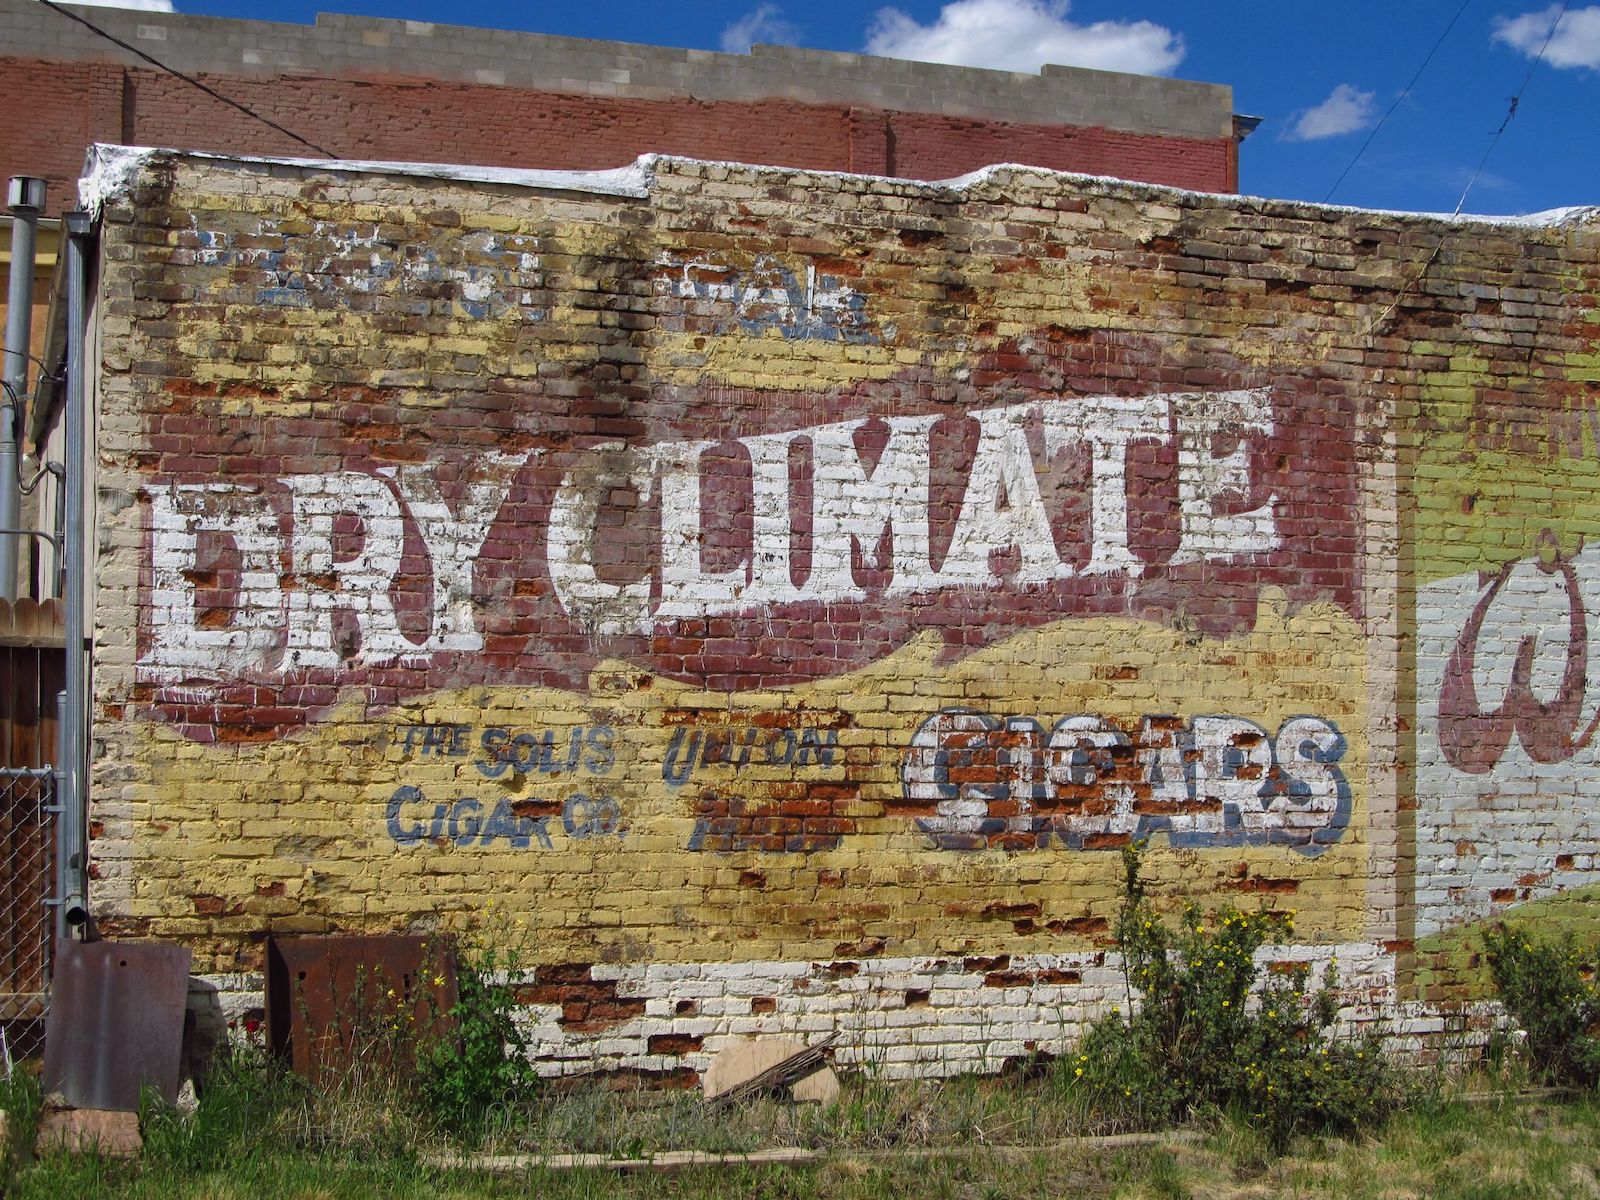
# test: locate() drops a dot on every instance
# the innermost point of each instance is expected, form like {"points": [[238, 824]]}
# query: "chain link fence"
{"points": [[27, 795]]}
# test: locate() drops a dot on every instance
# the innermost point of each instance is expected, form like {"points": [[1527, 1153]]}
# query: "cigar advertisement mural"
{"points": [[780, 596]]}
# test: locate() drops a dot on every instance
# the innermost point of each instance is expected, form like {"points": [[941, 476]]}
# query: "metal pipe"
{"points": [[60, 472], [72, 850], [57, 584], [43, 535], [26, 199], [71, 900]]}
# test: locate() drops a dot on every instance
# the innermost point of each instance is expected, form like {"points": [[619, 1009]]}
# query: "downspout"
{"points": [[1243, 127], [72, 850], [25, 196]]}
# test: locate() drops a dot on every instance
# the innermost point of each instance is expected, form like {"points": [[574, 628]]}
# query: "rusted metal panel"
{"points": [[116, 1022], [333, 1001]]}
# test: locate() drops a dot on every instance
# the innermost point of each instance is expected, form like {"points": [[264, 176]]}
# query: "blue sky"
{"points": [[1321, 75]]}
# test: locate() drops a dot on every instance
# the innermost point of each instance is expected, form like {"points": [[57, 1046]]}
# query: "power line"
{"points": [[189, 79], [1406, 91], [1511, 109]]}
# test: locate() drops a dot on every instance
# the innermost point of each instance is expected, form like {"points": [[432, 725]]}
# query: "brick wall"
{"points": [[428, 121], [414, 91], [774, 597], [924, 146]]}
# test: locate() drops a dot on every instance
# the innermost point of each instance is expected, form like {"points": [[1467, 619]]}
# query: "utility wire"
{"points": [[1403, 94], [1511, 109], [189, 79]]}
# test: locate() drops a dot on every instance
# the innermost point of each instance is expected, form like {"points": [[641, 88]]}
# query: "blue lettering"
{"points": [[402, 835], [602, 754], [504, 823], [494, 763], [465, 820], [679, 764]]}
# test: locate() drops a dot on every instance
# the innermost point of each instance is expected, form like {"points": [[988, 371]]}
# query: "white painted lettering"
{"points": [[181, 645], [1233, 758], [604, 608], [687, 589], [454, 539], [772, 538], [1002, 508], [1208, 421], [359, 584], [850, 509], [1109, 425]]}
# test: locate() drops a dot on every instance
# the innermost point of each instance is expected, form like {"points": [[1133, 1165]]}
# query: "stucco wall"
{"points": [[776, 595]]}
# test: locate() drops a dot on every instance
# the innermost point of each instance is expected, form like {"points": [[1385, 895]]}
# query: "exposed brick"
{"points": [[501, 554]]}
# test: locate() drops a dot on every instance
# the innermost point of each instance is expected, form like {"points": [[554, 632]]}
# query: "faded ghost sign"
{"points": [[358, 568]]}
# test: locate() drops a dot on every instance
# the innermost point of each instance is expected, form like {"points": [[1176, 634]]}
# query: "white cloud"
{"points": [[1346, 110], [764, 23], [138, 5], [1021, 35], [1576, 42]]}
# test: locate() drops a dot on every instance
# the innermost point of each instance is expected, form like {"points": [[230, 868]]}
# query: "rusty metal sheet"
{"points": [[333, 999], [115, 1022]]}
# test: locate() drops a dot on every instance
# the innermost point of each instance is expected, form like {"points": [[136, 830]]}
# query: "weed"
{"points": [[21, 1099], [1210, 1031], [1548, 988], [245, 1095], [484, 1067]]}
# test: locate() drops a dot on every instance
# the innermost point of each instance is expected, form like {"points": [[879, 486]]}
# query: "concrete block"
{"points": [[89, 1130]]}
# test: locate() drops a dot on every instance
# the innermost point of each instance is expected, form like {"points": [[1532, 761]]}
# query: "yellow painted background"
{"points": [[228, 823]]}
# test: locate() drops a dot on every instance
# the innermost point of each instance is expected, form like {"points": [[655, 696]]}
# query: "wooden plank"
{"points": [[679, 1160], [782, 1073], [32, 918], [22, 1006], [52, 678], [25, 709], [25, 616], [33, 623]]}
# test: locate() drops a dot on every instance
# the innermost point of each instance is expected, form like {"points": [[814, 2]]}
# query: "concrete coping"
{"points": [[111, 170]]}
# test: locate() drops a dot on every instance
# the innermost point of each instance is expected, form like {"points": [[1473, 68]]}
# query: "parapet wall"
{"points": [[776, 596], [344, 45], [363, 88]]}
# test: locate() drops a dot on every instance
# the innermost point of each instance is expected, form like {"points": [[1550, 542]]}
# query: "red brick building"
{"points": [[362, 88]]}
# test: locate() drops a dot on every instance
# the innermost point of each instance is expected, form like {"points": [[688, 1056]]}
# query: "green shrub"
{"points": [[1208, 1032], [484, 1067], [1549, 990]]}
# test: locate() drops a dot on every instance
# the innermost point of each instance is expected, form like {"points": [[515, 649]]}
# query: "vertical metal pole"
{"points": [[71, 846], [63, 788], [26, 198]]}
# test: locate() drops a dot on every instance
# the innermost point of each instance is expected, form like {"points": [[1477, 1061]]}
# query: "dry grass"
{"points": [[1441, 1151], [976, 1135], [870, 1115]]}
